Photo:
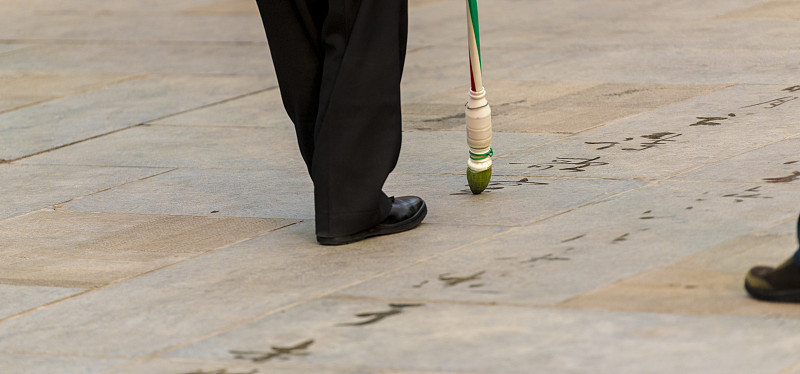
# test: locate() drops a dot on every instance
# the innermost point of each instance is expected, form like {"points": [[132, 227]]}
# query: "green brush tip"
{"points": [[478, 181]]}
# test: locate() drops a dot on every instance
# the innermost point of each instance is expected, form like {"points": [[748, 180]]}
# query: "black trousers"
{"points": [[339, 64]]}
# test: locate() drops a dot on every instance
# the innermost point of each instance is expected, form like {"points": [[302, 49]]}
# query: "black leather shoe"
{"points": [[407, 213], [774, 284], [780, 283]]}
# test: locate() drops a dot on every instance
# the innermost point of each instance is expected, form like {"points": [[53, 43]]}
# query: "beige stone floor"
{"points": [[156, 217]]}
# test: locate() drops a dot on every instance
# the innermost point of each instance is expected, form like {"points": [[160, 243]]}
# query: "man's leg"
{"points": [[358, 130], [338, 64], [293, 29]]}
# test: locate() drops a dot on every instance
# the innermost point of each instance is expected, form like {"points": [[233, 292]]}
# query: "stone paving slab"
{"points": [[437, 152], [769, 9], [92, 6], [180, 146], [93, 249], [433, 69], [656, 10], [142, 58], [132, 27], [701, 31], [7, 48], [670, 140], [479, 338], [25, 89], [561, 107], [714, 275], [61, 122], [27, 188], [18, 299], [429, 70], [225, 7], [664, 66], [218, 291], [773, 163], [263, 109], [571, 254], [198, 192], [44, 364], [585, 255], [524, 200], [280, 194], [438, 23], [187, 366]]}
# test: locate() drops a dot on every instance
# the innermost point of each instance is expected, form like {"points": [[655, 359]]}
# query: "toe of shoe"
{"points": [[413, 201], [755, 279]]}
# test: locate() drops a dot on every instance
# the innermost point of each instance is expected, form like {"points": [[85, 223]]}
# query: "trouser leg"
{"points": [[294, 28], [359, 124], [357, 130]]}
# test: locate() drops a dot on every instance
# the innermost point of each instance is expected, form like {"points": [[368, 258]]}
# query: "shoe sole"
{"points": [[787, 296], [379, 230]]}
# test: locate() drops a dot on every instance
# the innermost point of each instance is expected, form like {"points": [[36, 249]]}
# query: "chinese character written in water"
{"points": [[221, 371], [750, 193], [775, 102], [282, 353], [711, 121], [514, 183], [607, 144], [547, 257], [453, 281], [378, 316], [659, 138], [792, 89], [787, 179], [577, 164]]}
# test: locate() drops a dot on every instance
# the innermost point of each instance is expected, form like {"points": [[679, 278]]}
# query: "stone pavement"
{"points": [[156, 217]]}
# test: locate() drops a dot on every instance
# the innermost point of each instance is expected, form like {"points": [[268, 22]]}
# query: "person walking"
{"points": [[339, 65]]}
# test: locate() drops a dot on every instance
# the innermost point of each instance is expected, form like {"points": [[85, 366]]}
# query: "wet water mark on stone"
{"points": [[621, 238], [281, 353], [750, 193], [450, 281], [774, 103], [712, 121], [547, 257], [787, 179], [374, 317], [420, 284], [501, 184], [570, 164], [222, 371], [626, 92], [653, 140], [573, 238]]}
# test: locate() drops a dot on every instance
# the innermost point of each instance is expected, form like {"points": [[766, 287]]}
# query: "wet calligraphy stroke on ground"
{"points": [[575, 164], [450, 281], [222, 371], [374, 317], [787, 179], [282, 353]]}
